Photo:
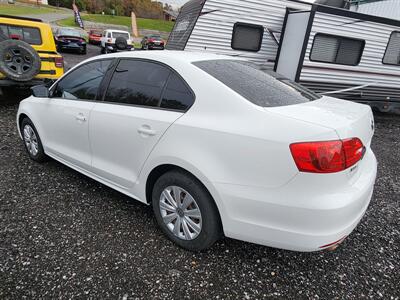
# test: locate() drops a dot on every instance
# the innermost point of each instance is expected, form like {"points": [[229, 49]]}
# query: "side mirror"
{"points": [[40, 91]]}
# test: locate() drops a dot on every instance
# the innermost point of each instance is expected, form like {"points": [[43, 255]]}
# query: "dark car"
{"points": [[153, 42], [70, 39]]}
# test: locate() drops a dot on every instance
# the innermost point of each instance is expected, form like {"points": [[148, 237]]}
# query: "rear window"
{"points": [[258, 85], [69, 32], [120, 34], [30, 35]]}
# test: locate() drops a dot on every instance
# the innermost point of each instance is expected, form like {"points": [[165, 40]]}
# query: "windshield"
{"points": [[257, 84], [121, 34], [69, 32]]}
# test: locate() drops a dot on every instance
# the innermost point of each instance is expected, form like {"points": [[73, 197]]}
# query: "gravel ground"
{"points": [[63, 235]]}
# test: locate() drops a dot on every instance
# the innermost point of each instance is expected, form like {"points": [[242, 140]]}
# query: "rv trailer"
{"points": [[332, 51]]}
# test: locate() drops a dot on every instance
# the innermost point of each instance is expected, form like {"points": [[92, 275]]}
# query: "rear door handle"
{"points": [[146, 130], [80, 117]]}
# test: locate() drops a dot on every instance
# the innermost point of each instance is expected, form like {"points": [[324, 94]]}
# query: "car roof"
{"points": [[114, 30], [169, 55]]}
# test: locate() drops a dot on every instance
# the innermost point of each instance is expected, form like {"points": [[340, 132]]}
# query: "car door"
{"points": [[127, 125], [67, 113]]}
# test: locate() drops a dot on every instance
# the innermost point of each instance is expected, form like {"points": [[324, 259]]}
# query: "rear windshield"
{"points": [[30, 35], [257, 84], [69, 32], [120, 34]]}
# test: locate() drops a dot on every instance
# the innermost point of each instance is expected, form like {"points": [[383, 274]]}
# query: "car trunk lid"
{"points": [[348, 119]]}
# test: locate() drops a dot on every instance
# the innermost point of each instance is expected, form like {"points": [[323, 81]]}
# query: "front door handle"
{"points": [[80, 117], [146, 130]]}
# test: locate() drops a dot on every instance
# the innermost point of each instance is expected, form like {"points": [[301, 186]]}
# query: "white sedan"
{"points": [[217, 145]]}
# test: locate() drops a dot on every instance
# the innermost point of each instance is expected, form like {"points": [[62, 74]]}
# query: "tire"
{"points": [[121, 43], [103, 50], [28, 129], [18, 60], [209, 223]]}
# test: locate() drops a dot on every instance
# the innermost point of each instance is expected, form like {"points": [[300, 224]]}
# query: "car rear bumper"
{"points": [[155, 46], [300, 216], [72, 47], [113, 48]]}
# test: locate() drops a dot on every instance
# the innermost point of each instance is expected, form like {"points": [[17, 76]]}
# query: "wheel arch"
{"points": [[21, 116], [161, 169]]}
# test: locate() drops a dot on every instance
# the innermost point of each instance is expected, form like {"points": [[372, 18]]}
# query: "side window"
{"points": [[177, 95], [337, 50], [30, 35], [392, 54], [4, 29], [247, 37], [109, 35], [82, 83], [138, 83]]}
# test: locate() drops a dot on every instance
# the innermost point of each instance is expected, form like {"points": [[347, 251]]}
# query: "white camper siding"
{"points": [[386, 8], [370, 69], [213, 31]]}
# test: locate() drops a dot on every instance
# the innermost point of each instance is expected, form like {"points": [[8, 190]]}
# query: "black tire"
{"points": [[121, 43], [40, 156], [103, 50], [211, 230], [26, 61]]}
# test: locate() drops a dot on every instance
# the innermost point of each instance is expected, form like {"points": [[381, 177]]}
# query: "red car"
{"points": [[94, 37]]}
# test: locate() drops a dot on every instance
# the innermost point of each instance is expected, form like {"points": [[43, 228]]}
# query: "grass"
{"points": [[18, 10], [149, 24]]}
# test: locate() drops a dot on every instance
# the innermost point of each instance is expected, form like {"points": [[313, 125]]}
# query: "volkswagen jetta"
{"points": [[217, 145]]}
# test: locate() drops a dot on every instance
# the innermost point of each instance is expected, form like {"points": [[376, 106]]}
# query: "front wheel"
{"points": [[185, 211], [32, 141]]}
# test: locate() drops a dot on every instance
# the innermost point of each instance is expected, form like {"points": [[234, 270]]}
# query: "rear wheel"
{"points": [[33, 144], [185, 211]]}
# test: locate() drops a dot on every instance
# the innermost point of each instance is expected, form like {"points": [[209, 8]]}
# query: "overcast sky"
{"points": [[179, 3]]}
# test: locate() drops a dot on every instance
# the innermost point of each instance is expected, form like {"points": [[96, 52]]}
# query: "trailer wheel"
{"points": [[18, 60]]}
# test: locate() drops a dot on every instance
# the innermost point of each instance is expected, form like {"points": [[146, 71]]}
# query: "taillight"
{"points": [[354, 151], [328, 156], [59, 62]]}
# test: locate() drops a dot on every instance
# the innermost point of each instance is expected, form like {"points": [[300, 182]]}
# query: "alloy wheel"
{"points": [[180, 213], [31, 140]]}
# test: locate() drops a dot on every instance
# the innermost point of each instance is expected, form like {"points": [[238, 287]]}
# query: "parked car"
{"points": [[95, 37], [70, 39], [28, 54], [115, 41], [217, 145], [153, 41]]}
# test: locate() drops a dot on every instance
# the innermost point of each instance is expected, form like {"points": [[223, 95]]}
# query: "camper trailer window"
{"points": [[337, 49], [247, 37], [392, 54], [256, 84]]}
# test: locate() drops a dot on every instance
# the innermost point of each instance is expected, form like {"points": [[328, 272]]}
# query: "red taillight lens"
{"points": [[327, 157], [354, 151], [59, 62]]}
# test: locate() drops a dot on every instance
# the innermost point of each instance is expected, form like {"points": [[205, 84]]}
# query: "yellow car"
{"points": [[28, 54]]}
